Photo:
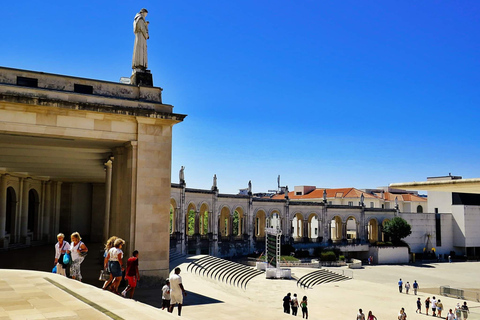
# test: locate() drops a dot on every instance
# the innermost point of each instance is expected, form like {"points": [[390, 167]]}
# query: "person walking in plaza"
{"points": [[177, 291], [115, 263], [434, 306], [304, 306], [402, 315], [415, 287], [371, 316], [427, 305], [294, 305], [407, 287], [132, 275], [465, 310], [286, 303], [109, 245], [360, 315], [400, 285], [78, 251], [439, 308], [166, 295], [450, 315], [61, 247], [458, 312], [419, 306]]}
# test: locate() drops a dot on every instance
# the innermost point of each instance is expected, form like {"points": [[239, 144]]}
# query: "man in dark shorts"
{"points": [[131, 275], [166, 295]]}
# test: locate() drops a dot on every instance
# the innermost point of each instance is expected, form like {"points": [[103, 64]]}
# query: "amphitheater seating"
{"points": [[222, 270], [317, 277]]}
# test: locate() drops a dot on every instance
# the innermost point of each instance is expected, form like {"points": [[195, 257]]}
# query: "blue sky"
{"points": [[325, 93]]}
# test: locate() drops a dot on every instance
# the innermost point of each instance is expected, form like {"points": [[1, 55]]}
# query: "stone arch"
{"points": [[238, 221], [313, 230], [33, 213], [190, 219], [11, 211], [297, 225], [372, 230], [419, 209], [275, 219], [173, 215], [260, 218], [384, 237], [336, 228], [203, 219], [225, 222], [351, 228]]}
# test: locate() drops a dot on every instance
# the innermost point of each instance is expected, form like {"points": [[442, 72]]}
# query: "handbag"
{"points": [[104, 275], [54, 270]]}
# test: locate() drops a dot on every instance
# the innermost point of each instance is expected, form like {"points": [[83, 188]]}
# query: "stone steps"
{"points": [[317, 277], [222, 270]]}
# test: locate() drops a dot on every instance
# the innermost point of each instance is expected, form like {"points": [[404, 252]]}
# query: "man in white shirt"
{"points": [[434, 306], [176, 291]]}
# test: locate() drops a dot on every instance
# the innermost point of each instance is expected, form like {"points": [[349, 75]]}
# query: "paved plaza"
{"points": [[43, 295]]}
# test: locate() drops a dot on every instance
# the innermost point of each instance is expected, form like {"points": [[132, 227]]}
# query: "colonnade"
{"points": [[215, 218], [29, 209]]}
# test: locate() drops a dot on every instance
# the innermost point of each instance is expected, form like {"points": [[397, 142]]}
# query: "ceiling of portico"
{"points": [[61, 159]]}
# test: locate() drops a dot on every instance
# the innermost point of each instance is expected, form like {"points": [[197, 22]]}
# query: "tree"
{"points": [[397, 229]]}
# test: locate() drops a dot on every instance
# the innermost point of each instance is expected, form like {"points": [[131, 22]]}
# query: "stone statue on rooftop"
{"points": [[140, 28], [250, 186], [181, 174], [215, 181]]}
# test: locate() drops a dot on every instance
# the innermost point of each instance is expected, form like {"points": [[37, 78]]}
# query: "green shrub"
{"points": [[288, 258], [341, 258], [328, 256]]}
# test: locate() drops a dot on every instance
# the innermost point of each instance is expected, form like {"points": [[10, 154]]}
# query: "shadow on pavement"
{"points": [[41, 258]]}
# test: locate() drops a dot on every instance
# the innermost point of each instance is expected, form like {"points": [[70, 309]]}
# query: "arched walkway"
{"points": [[313, 231], [336, 228], [190, 220], [275, 220], [352, 228], [260, 223], [33, 213], [297, 226], [10, 226], [238, 222], [173, 215], [384, 237], [224, 223], [203, 219], [373, 230]]}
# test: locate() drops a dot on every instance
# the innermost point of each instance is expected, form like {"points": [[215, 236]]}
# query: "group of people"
{"points": [[77, 250], [292, 302], [113, 263], [460, 312], [407, 286], [173, 292], [361, 315]]}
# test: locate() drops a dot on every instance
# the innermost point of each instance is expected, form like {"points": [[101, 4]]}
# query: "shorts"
{"points": [[176, 297], [165, 303], [132, 281], [115, 268]]}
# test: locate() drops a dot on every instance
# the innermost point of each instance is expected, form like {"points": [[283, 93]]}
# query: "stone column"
{"points": [[287, 230], [3, 208], [41, 210], [181, 218], [47, 211], [250, 224], [24, 212], [319, 228], [132, 165], [108, 196], [57, 195], [196, 227]]}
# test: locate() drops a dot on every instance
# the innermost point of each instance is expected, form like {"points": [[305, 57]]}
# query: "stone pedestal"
{"points": [[142, 78]]}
